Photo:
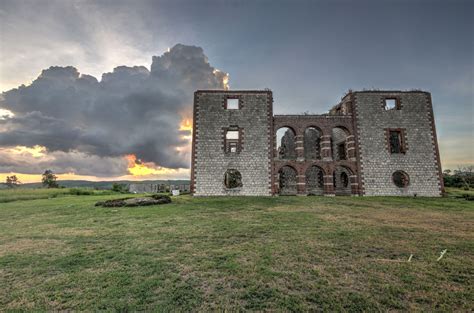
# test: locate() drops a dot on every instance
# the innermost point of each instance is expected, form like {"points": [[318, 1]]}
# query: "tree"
{"points": [[463, 177], [122, 188], [12, 181], [466, 175], [49, 179]]}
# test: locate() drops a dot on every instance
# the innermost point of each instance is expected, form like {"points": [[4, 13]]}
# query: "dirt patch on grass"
{"points": [[430, 221], [29, 245], [75, 231], [58, 230], [309, 209]]}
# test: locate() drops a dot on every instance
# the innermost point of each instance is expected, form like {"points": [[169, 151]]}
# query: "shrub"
{"points": [[81, 192], [122, 188]]}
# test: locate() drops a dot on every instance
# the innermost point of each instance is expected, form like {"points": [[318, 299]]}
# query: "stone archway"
{"points": [[342, 180], [312, 143], [314, 180], [339, 147], [286, 143], [287, 176]]}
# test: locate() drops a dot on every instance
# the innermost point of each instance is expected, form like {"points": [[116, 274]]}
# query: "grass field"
{"points": [[277, 254], [9, 195]]}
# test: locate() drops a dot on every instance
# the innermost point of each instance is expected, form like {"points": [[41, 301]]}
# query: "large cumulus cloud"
{"points": [[132, 110]]}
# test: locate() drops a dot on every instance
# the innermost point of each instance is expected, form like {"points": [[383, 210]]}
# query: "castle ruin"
{"points": [[371, 143]]}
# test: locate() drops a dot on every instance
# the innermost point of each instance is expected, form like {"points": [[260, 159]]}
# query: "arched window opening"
{"points": [[312, 143], [341, 181], [232, 179], [287, 180], [338, 143], [401, 179], [286, 146], [344, 180], [314, 180]]}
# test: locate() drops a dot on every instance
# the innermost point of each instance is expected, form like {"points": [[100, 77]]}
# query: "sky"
{"points": [[102, 90]]}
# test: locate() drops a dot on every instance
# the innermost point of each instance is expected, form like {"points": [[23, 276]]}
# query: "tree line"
{"points": [[49, 180], [463, 177]]}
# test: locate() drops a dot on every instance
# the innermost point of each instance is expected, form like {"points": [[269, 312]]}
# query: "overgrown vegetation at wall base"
{"points": [[237, 253]]}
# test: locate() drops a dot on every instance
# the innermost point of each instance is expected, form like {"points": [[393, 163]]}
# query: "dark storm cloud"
{"points": [[61, 162], [130, 111]]}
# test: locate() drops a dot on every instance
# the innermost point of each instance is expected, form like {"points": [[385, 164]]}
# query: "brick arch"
{"points": [[314, 180], [315, 165], [288, 180], [312, 145], [344, 128], [313, 125], [300, 168], [293, 151], [278, 127], [342, 143], [352, 178], [323, 165], [347, 164]]}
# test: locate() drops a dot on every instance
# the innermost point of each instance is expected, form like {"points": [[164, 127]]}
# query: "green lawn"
{"points": [[200, 254], [9, 195]]}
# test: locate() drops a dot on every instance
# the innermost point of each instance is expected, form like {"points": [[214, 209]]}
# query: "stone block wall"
{"points": [[421, 158], [210, 161], [147, 188]]}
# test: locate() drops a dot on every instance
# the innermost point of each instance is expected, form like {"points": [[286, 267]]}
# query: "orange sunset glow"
{"points": [[138, 168], [187, 125]]}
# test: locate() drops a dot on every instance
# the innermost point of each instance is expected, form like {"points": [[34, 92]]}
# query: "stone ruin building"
{"points": [[371, 143]]}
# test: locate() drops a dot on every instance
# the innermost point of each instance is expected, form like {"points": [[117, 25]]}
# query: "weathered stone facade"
{"points": [[147, 188], [420, 160], [372, 143], [253, 121], [144, 187]]}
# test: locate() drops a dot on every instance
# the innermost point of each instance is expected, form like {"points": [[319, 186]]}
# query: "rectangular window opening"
{"points": [[232, 141], [391, 104], [232, 104], [232, 134], [396, 142]]}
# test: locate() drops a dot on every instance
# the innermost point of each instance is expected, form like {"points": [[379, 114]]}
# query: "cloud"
{"points": [[132, 110], [94, 36], [37, 159]]}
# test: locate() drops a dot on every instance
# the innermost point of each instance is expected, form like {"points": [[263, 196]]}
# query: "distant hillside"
{"points": [[98, 184]]}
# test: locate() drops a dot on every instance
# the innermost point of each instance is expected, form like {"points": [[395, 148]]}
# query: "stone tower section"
{"points": [[232, 143], [397, 145]]}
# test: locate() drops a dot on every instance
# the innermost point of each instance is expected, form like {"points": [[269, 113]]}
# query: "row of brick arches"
{"points": [[314, 155], [314, 180], [314, 144]]}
